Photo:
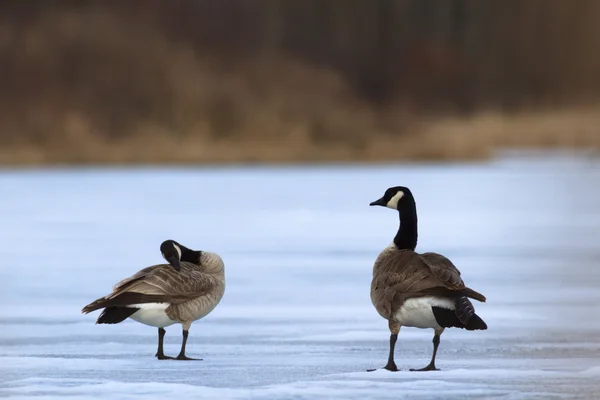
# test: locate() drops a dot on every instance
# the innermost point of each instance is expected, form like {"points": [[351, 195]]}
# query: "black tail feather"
{"points": [[449, 319], [114, 315], [464, 309], [476, 324]]}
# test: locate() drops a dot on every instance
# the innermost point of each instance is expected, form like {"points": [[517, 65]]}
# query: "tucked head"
{"points": [[175, 253], [394, 198], [172, 251]]}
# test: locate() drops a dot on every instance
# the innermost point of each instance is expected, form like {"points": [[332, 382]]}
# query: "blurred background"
{"points": [[438, 90], [205, 81]]}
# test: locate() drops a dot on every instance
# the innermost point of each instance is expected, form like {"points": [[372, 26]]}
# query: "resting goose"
{"points": [[421, 290], [183, 291]]}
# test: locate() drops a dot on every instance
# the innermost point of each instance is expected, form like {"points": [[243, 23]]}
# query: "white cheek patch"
{"points": [[393, 203], [178, 250]]}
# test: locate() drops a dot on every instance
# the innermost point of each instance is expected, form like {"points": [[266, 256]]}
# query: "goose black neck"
{"points": [[406, 238], [191, 256]]}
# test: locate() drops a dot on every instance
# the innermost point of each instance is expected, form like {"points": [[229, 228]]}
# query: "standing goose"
{"points": [[183, 291], [418, 290]]}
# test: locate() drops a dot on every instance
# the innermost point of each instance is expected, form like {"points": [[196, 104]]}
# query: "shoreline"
{"points": [[447, 139]]}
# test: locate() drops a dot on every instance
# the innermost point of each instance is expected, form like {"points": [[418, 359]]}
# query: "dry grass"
{"points": [[481, 135], [441, 139], [94, 89]]}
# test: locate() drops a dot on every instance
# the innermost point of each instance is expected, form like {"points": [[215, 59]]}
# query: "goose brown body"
{"points": [[190, 293], [401, 274]]}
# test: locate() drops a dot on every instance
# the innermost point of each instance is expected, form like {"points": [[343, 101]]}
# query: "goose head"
{"points": [[172, 252], [394, 198], [175, 253]]}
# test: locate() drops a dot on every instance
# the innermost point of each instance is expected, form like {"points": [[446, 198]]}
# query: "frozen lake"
{"points": [[296, 321]]}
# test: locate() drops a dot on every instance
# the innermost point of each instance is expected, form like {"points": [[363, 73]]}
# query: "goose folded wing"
{"points": [[409, 274], [443, 270], [398, 277], [162, 284], [141, 274], [446, 273]]}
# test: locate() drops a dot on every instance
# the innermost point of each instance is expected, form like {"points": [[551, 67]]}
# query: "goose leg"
{"points": [[436, 343], [160, 354], [391, 364], [182, 355]]}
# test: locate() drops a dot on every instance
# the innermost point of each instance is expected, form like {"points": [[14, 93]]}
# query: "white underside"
{"points": [[417, 312], [152, 314]]}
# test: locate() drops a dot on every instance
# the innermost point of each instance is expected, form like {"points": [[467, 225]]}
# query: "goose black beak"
{"points": [[379, 202], [174, 261]]}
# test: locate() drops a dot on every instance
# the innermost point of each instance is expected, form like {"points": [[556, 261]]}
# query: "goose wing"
{"points": [[448, 275], [395, 277], [402, 274], [157, 284], [162, 280], [136, 277], [443, 270]]}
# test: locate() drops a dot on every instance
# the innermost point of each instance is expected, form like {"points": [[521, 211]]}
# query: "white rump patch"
{"points": [[417, 312], [150, 306], [152, 314], [393, 203]]}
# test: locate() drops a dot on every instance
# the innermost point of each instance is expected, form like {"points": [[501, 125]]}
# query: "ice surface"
{"points": [[296, 320]]}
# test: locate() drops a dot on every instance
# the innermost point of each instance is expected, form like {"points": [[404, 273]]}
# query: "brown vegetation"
{"points": [[269, 81]]}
